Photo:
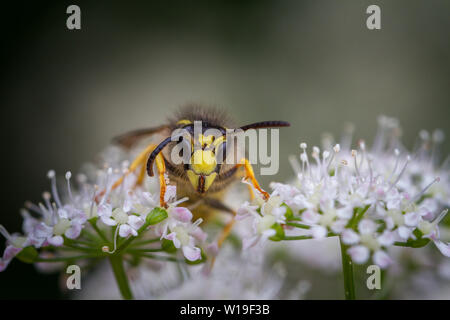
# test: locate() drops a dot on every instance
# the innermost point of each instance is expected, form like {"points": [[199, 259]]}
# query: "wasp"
{"points": [[202, 178]]}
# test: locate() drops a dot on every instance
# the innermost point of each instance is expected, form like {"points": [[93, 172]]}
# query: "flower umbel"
{"points": [[371, 199]]}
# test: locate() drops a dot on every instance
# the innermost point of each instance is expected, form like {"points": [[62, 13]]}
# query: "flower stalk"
{"points": [[116, 262], [347, 270]]}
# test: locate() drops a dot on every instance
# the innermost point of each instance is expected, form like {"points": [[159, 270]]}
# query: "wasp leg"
{"points": [[138, 161], [141, 176], [141, 160], [250, 175], [250, 191], [216, 204], [161, 167]]}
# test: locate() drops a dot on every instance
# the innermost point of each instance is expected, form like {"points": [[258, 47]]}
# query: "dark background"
{"points": [[65, 93]]}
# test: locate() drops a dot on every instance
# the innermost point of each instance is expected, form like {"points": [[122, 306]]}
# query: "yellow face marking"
{"points": [[217, 143], [205, 140], [203, 161], [184, 122], [193, 178], [209, 180]]}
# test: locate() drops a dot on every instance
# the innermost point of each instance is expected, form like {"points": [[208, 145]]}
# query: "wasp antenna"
{"points": [[265, 124], [155, 152]]}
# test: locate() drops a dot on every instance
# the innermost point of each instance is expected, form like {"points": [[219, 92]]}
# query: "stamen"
{"points": [[316, 156], [46, 196], [47, 213], [54, 213], [369, 163], [31, 206], [69, 189], [5, 233], [305, 161], [52, 176], [354, 154], [408, 158], [108, 189], [197, 222], [336, 150], [106, 248], [440, 217], [362, 146], [176, 203], [421, 193], [91, 208], [397, 154]]}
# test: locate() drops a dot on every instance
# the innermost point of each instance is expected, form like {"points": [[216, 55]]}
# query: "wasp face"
{"points": [[203, 167], [203, 149]]}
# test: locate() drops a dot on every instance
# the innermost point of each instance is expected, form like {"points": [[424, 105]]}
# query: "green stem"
{"points": [[97, 229], [121, 277], [135, 250], [80, 248], [298, 225], [347, 269], [297, 237], [62, 259], [144, 242]]}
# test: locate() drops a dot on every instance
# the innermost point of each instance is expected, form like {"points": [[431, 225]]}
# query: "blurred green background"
{"points": [[314, 63]]}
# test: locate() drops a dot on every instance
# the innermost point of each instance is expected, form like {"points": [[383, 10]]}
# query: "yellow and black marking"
{"points": [[203, 179]]}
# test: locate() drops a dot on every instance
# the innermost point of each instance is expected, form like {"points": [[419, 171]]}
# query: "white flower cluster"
{"points": [[372, 199], [97, 207]]}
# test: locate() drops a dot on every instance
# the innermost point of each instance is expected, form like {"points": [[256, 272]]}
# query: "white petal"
{"points": [[387, 238], [171, 193], [359, 254], [173, 237], [338, 226], [181, 214], [108, 221], [318, 232], [74, 231], [199, 234], [350, 237], [345, 213], [250, 242], [104, 210], [191, 253], [135, 222], [125, 230], [404, 232], [381, 259], [56, 241], [268, 233], [212, 249], [310, 217], [43, 231], [10, 252], [443, 247], [412, 219], [367, 226]]}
